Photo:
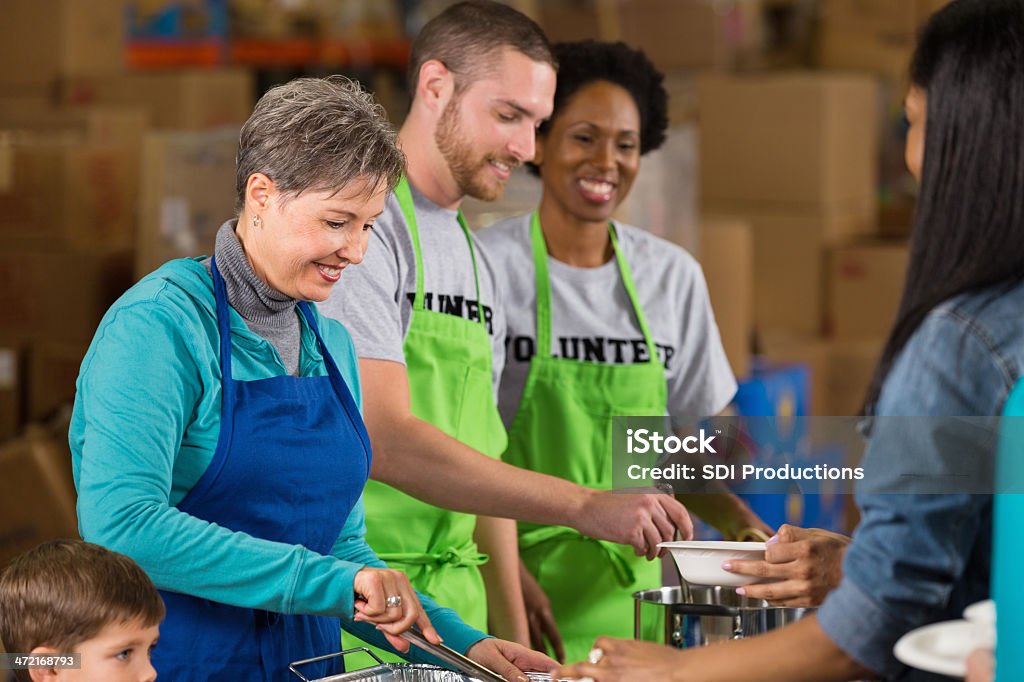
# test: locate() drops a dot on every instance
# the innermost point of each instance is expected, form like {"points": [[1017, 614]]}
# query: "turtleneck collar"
{"points": [[255, 300]]}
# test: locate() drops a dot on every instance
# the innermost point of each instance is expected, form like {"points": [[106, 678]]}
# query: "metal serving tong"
{"points": [[452, 657]]}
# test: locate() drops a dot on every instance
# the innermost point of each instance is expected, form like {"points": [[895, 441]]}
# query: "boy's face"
{"points": [[119, 653]]}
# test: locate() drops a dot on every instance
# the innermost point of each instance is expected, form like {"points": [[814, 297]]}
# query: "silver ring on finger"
{"points": [[394, 601], [595, 655]]}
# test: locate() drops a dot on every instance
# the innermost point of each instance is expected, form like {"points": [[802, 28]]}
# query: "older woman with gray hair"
{"points": [[217, 437]]}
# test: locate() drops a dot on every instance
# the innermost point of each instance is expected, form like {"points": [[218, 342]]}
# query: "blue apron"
{"points": [[291, 461]]}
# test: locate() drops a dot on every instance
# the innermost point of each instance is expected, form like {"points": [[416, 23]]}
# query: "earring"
{"points": [[256, 221]]}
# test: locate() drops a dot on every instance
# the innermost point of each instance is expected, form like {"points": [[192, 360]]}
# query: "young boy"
{"points": [[73, 597]]}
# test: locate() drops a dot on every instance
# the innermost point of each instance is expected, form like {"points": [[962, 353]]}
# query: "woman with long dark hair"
{"points": [[920, 555]]}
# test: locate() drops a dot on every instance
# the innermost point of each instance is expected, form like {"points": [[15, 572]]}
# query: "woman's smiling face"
{"points": [[301, 243], [590, 156]]}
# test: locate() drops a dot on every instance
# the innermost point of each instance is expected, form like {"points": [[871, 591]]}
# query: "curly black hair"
{"points": [[583, 62]]}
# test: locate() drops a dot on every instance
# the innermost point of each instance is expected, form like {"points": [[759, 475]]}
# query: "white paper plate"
{"points": [[938, 648]]}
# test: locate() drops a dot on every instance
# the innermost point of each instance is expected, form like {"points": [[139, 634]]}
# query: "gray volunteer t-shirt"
{"points": [[374, 299], [593, 319]]}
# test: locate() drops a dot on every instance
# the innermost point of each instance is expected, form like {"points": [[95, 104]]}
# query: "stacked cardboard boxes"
{"points": [[877, 37], [675, 34], [68, 185], [189, 99], [726, 254], [188, 191], [865, 283], [871, 35], [793, 155], [84, 181], [44, 41]]}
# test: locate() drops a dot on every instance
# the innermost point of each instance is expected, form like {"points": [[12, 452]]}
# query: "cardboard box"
{"points": [[42, 40], [195, 99], [785, 141], [572, 20], [686, 34], [851, 367], [55, 294], [694, 34], [865, 286], [789, 274], [10, 391], [188, 191], [847, 50], [789, 264], [6, 163], [898, 20], [53, 371], [64, 192], [102, 124], [727, 257], [24, 106], [872, 35], [123, 126], [37, 494]]}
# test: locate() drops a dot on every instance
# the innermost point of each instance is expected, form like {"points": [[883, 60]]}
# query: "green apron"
{"points": [[563, 428], [448, 360]]}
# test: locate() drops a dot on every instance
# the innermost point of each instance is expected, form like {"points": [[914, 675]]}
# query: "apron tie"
{"points": [[455, 557], [620, 564]]}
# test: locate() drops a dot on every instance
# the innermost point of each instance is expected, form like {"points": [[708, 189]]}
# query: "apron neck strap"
{"points": [[223, 323], [307, 312], [403, 193], [543, 286]]}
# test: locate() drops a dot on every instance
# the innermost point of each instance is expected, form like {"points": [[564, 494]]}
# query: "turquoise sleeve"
{"points": [[351, 546], [135, 400]]}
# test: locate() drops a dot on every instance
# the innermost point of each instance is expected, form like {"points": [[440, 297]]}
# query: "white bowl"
{"points": [[700, 561], [982, 616]]}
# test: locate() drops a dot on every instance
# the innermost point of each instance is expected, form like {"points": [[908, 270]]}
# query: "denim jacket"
{"points": [[921, 558]]}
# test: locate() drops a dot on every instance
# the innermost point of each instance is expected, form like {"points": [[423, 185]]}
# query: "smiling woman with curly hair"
{"points": [[603, 319]]}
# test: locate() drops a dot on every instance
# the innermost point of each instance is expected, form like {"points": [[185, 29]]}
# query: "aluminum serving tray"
{"points": [[415, 672], [383, 672], [397, 672]]}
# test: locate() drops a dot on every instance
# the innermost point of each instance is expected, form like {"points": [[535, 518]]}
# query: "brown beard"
{"points": [[457, 150]]}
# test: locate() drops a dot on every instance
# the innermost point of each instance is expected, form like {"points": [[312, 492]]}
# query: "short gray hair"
{"points": [[317, 134]]}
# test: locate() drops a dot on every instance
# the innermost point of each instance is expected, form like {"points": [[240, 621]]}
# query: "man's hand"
{"points": [[509, 659], [639, 519], [806, 562]]}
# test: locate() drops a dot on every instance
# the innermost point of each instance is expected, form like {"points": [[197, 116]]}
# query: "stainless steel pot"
{"points": [[709, 614]]}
